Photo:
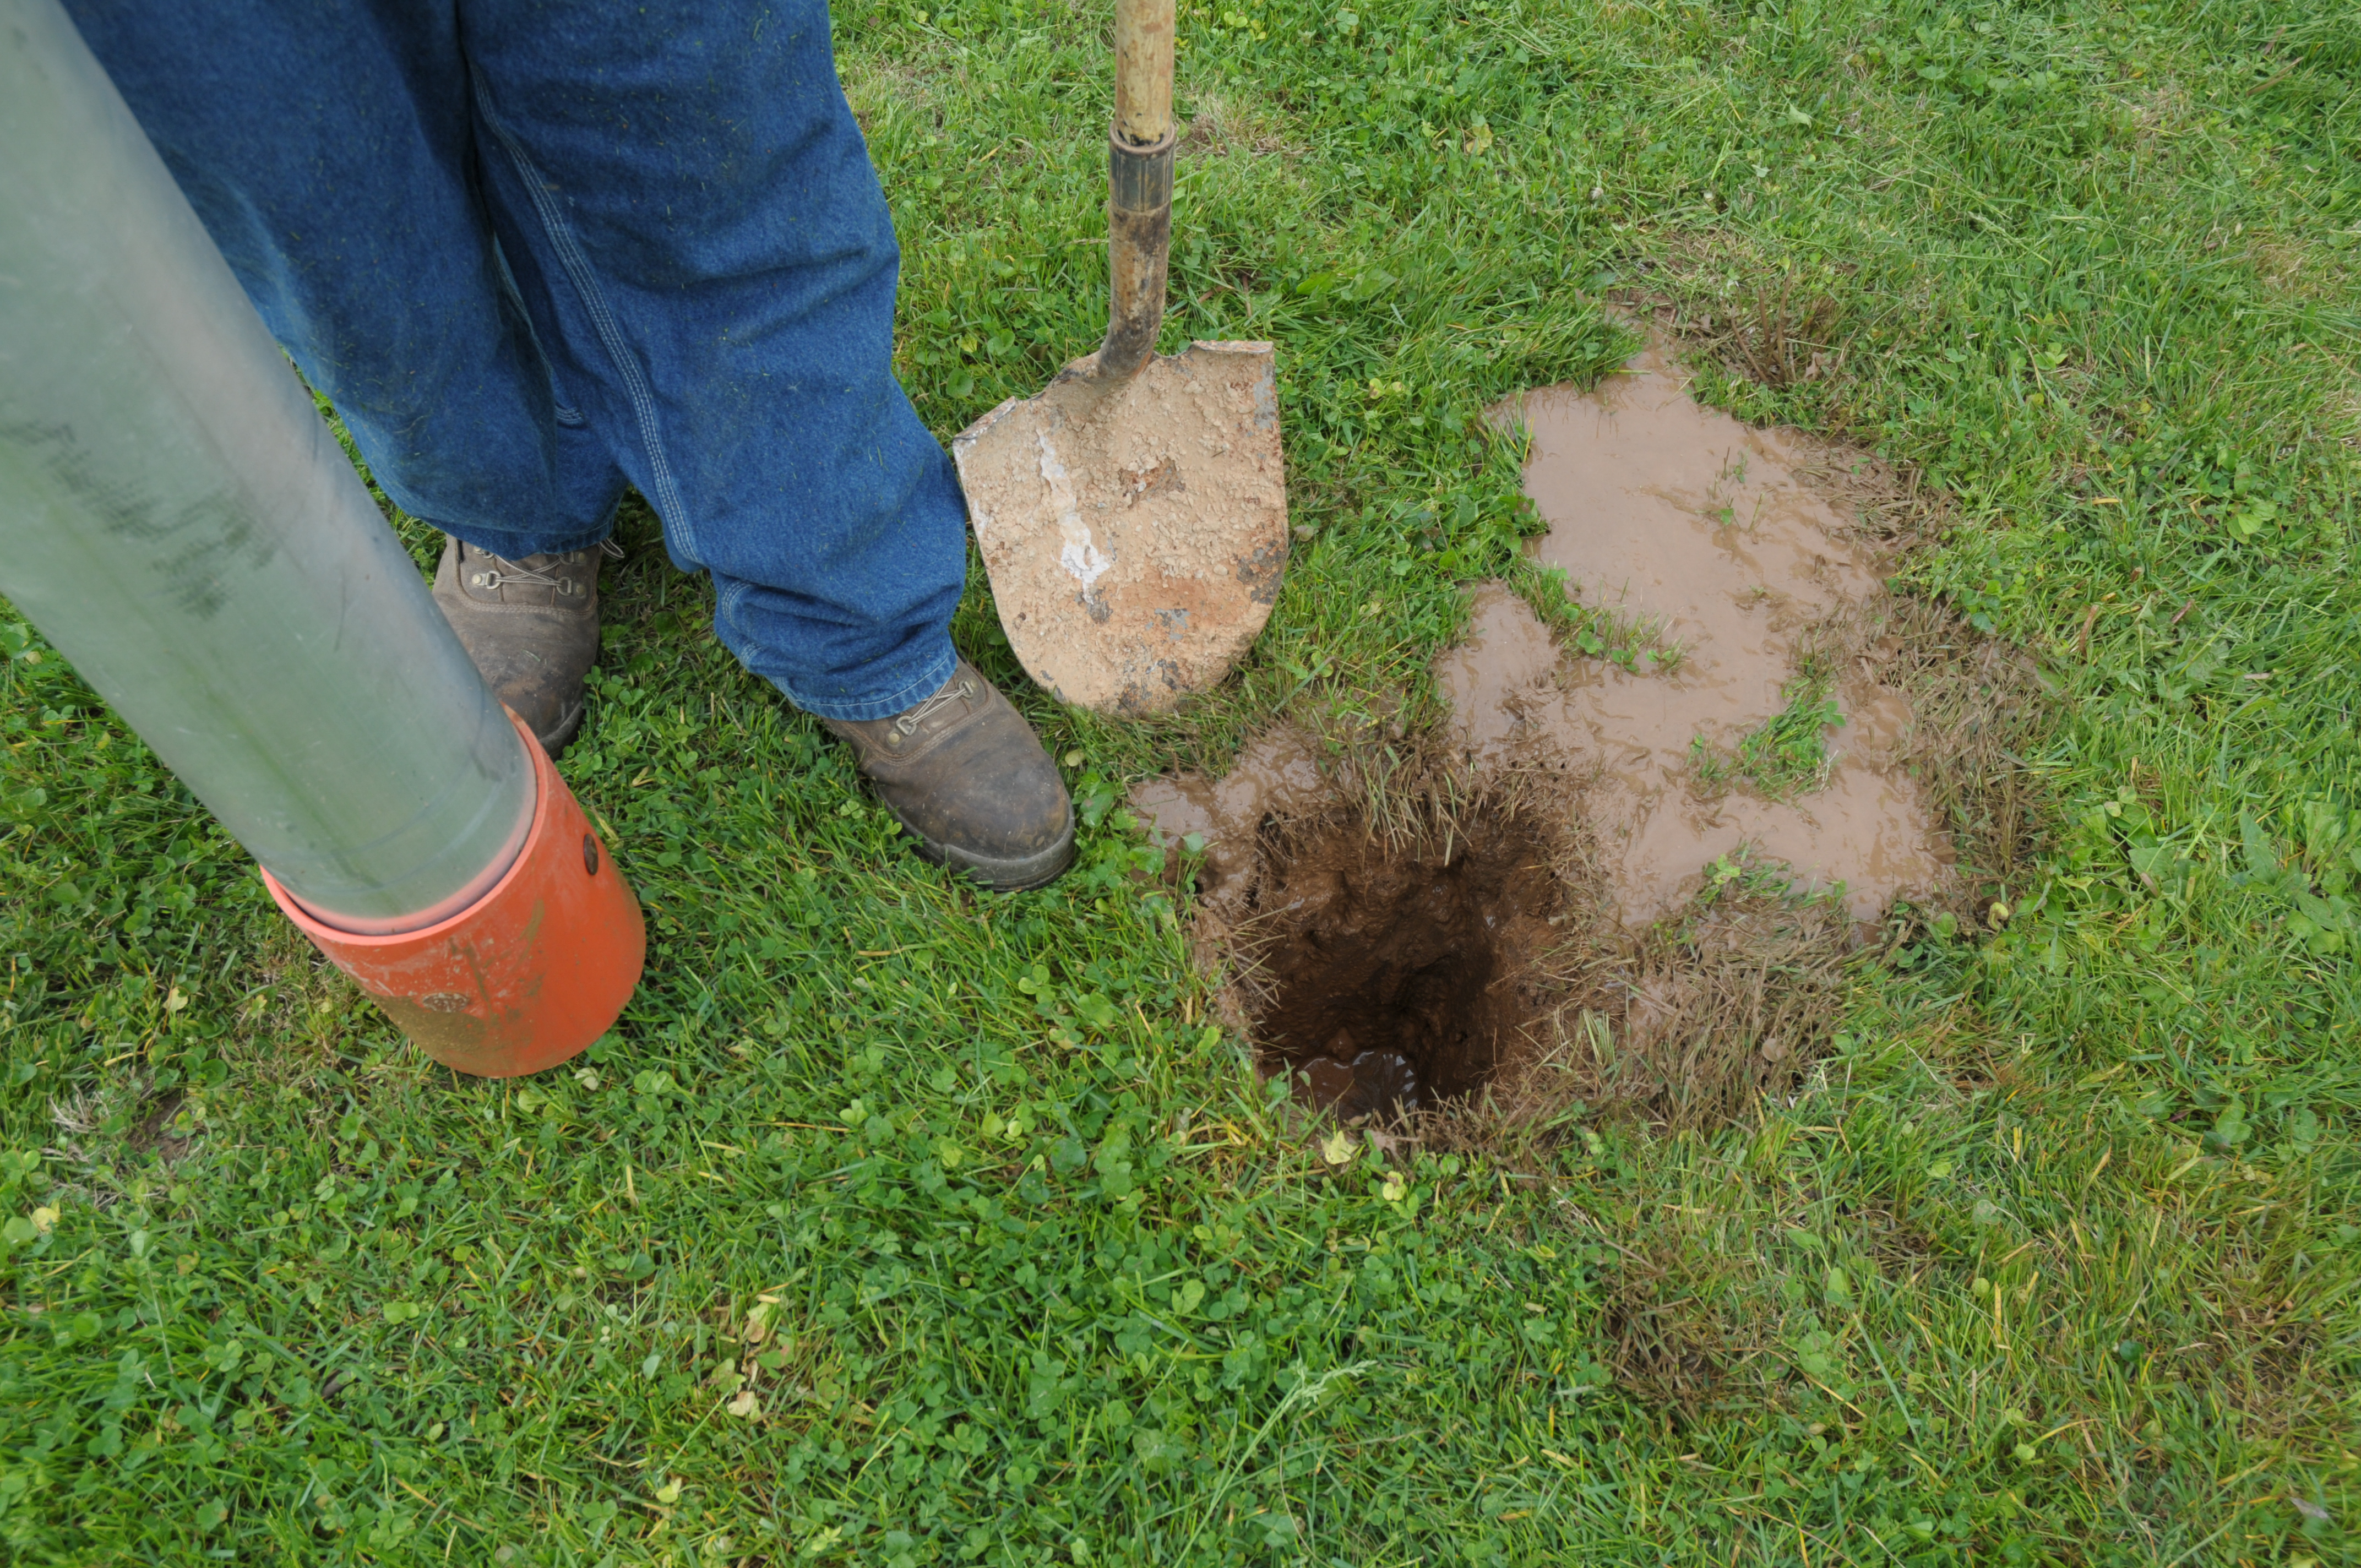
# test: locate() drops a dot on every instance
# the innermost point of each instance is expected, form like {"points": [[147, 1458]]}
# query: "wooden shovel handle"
{"points": [[1143, 71], [1139, 184]]}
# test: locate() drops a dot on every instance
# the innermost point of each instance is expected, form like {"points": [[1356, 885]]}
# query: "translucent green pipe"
{"points": [[180, 523]]}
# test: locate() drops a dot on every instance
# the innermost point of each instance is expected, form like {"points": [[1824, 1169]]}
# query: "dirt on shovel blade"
{"points": [[1135, 533]]}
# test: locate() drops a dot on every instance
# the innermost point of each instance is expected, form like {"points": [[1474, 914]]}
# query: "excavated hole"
{"points": [[1393, 980], [1717, 872]]}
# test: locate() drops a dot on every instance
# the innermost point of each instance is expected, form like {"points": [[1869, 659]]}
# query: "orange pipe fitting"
{"points": [[526, 976]]}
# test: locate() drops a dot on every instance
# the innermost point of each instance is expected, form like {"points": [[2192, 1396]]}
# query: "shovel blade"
{"points": [[1135, 533]]}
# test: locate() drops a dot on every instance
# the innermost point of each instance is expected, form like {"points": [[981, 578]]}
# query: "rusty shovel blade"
{"points": [[1136, 532]]}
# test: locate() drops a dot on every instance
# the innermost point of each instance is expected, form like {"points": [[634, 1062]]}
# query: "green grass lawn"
{"points": [[896, 1224]]}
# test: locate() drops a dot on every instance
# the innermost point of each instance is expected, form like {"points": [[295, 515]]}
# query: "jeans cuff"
{"points": [[907, 692], [516, 546]]}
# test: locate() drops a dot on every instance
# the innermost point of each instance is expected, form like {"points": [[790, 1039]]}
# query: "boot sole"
{"points": [[1021, 875], [557, 740]]}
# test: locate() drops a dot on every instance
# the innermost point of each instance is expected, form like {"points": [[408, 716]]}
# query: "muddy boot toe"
{"points": [[967, 778]]}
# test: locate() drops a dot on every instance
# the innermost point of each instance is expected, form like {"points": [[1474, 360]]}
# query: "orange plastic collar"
{"points": [[528, 975]]}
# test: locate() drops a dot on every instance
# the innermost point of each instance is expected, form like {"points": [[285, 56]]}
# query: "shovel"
{"points": [[1133, 517]]}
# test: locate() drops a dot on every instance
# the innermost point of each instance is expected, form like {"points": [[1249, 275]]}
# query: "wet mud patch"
{"points": [[1275, 779], [1760, 734], [1398, 977], [1636, 877]]}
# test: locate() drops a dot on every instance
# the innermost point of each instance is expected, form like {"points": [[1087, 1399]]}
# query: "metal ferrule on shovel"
{"points": [[1133, 517]]}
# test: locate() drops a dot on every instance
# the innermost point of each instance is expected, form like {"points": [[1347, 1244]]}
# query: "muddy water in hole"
{"points": [[1680, 517]]}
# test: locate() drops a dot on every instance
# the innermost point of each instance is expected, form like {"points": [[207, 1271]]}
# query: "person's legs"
{"points": [[709, 259], [329, 150], [691, 212], [527, 255]]}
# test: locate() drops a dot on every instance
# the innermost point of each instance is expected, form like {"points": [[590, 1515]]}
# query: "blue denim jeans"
{"points": [[536, 252]]}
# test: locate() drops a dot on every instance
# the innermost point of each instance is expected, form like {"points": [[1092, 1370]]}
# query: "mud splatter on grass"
{"points": [[1277, 776], [1860, 820], [1760, 739], [1634, 882]]}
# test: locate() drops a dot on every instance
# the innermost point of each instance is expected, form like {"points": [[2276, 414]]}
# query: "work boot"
{"points": [[966, 776], [532, 626]]}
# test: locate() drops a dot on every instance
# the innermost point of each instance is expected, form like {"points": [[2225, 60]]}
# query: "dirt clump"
{"points": [[155, 1133], [1396, 978]]}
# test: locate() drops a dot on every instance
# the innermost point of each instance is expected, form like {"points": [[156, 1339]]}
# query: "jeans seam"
{"points": [[602, 321], [560, 409], [726, 598], [909, 697]]}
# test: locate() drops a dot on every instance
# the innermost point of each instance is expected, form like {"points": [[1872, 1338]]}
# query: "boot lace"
{"points": [[504, 571], [908, 723], [514, 573]]}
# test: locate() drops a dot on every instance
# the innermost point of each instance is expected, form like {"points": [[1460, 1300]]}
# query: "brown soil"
{"points": [[154, 1133], [1679, 516], [1276, 776], [1402, 978], [1543, 902]]}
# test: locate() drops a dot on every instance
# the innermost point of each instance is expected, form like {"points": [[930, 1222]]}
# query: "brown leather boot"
{"points": [[532, 626], [967, 778]]}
